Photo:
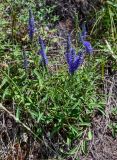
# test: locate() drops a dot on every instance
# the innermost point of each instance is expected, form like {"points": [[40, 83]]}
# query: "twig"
{"points": [[17, 120], [26, 127]]}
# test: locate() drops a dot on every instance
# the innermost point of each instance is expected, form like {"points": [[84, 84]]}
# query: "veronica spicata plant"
{"points": [[73, 60], [31, 25], [85, 43], [42, 52]]}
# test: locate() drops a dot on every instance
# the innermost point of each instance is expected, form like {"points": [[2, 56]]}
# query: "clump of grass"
{"points": [[63, 102]]}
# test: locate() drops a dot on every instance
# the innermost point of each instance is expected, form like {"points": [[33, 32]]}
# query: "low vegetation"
{"points": [[56, 107]]}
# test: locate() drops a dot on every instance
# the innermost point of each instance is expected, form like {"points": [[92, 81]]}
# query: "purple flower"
{"points": [[31, 25], [73, 60], [84, 31], [83, 34], [88, 47], [85, 43], [42, 52]]}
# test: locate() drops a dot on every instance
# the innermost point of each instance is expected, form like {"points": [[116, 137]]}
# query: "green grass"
{"points": [[59, 97]]}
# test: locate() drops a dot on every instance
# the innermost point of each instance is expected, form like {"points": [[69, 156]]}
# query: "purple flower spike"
{"points": [[31, 25], [78, 61], [80, 57], [85, 43], [42, 52], [73, 60], [84, 31], [83, 34], [88, 47]]}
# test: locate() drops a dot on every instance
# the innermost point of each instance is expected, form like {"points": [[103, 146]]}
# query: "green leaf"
{"points": [[17, 114], [39, 117], [3, 82], [90, 136], [84, 146]]}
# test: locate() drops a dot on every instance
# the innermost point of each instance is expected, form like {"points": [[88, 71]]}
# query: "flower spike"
{"points": [[42, 52]]}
